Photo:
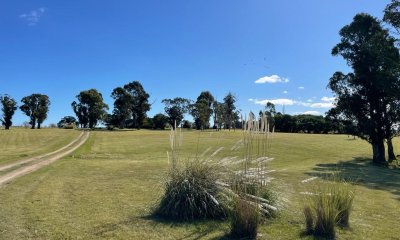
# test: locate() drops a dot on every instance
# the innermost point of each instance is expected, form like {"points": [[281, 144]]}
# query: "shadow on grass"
{"points": [[362, 172]]}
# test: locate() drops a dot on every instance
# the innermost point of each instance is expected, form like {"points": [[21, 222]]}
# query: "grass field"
{"points": [[107, 188], [16, 144]]}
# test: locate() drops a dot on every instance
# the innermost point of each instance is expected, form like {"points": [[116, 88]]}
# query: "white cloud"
{"points": [[285, 92], [33, 17], [272, 79], [281, 101], [311, 113], [301, 88], [327, 99], [290, 102], [322, 105]]}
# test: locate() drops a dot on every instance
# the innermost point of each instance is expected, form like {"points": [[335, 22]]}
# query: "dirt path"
{"points": [[45, 159], [25, 161]]}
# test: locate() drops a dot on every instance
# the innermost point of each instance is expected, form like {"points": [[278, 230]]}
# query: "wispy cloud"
{"points": [[311, 113], [33, 17], [322, 105], [272, 79], [281, 101], [285, 92], [290, 102], [327, 99], [301, 88]]}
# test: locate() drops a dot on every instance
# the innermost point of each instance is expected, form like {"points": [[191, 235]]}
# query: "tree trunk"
{"points": [[38, 125], [391, 155], [7, 127], [378, 149], [33, 123]]}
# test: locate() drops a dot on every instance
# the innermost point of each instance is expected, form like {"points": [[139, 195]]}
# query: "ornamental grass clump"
{"points": [[191, 189], [248, 182], [329, 207]]}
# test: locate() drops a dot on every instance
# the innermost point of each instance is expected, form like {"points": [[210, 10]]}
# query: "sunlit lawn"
{"points": [[107, 188]]}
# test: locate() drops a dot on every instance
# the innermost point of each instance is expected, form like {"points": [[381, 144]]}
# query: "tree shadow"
{"points": [[362, 172]]}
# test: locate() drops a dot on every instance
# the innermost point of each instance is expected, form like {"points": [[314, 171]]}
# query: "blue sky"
{"points": [[175, 48]]}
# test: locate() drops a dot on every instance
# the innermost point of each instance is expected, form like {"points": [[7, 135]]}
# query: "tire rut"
{"points": [[45, 159]]}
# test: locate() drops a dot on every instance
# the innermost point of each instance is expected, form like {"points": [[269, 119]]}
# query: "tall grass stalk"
{"points": [[248, 182]]}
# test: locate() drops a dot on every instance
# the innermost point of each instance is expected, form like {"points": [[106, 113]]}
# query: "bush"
{"points": [[191, 193], [244, 219]]}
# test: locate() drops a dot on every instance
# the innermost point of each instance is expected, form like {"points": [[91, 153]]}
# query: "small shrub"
{"points": [[244, 219]]}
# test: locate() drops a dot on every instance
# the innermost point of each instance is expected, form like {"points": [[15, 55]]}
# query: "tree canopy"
{"points": [[36, 106], [90, 108], [176, 109], [9, 105]]}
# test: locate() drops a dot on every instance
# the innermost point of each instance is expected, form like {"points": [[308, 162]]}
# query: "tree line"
{"points": [[131, 104], [35, 106]]}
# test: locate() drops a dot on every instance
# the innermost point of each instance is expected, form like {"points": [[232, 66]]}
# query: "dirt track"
{"points": [[41, 161]]}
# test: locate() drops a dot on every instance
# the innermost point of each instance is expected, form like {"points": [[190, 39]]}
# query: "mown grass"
{"points": [[17, 144], [107, 189]]}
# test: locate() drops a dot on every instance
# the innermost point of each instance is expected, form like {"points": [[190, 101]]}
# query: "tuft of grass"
{"points": [[329, 207], [244, 219], [191, 189], [191, 193], [326, 215], [308, 214]]}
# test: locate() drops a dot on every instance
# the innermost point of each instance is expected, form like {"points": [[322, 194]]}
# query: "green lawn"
{"points": [[107, 188], [17, 143]]}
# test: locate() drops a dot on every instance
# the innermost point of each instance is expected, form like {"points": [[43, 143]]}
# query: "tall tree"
{"points": [[229, 110], [392, 14], [123, 106], [176, 109], [202, 110], [369, 96], [140, 102], [9, 105], [218, 110], [36, 107], [90, 108]]}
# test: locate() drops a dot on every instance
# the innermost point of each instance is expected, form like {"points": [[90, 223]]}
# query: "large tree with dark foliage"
{"points": [[139, 102], [368, 96], [229, 111], [176, 109], [8, 107], [122, 106], [90, 108], [392, 14], [202, 110], [36, 107]]}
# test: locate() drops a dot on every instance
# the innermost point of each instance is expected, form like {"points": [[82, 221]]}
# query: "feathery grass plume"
{"points": [[191, 190], [249, 182]]}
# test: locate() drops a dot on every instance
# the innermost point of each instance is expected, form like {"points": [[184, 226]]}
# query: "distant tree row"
{"points": [[35, 106]]}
